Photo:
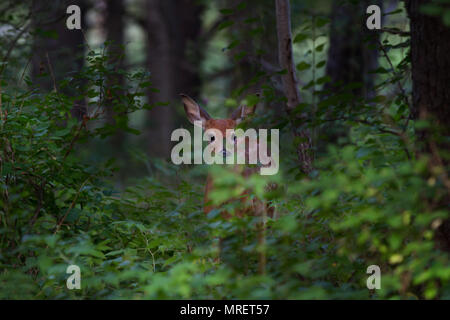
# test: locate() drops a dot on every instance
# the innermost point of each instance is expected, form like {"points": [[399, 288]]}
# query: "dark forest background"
{"points": [[86, 178]]}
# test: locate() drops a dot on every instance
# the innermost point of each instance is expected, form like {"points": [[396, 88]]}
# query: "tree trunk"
{"points": [[174, 61], [115, 28], [257, 47], [290, 83], [430, 58], [61, 54], [352, 54]]}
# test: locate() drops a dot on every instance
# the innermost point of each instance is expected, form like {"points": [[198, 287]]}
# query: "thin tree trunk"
{"points": [[290, 83]]}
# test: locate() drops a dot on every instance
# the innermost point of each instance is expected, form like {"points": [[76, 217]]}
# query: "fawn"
{"points": [[247, 206]]}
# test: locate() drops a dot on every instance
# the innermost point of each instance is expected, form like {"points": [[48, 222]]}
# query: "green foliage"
{"points": [[369, 205], [370, 201], [438, 8]]}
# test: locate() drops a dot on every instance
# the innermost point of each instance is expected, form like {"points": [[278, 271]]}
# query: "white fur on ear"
{"points": [[241, 113], [194, 112]]}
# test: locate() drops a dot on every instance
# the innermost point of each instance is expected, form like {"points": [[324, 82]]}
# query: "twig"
{"points": [[40, 194], [58, 226], [262, 241], [75, 138], [396, 31], [150, 251], [402, 90], [11, 48], [219, 74], [435, 153], [272, 71], [208, 34], [21, 79], [10, 6], [399, 134], [50, 68]]}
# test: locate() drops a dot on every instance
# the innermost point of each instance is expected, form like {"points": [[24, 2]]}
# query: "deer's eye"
{"points": [[212, 138]]}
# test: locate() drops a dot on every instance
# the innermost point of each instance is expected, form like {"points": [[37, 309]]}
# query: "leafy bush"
{"points": [[370, 201]]}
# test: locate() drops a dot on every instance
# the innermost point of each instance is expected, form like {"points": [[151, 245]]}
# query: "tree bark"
{"points": [[115, 28], [174, 61], [290, 83], [59, 56], [430, 58], [352, 54], [243, 70]]}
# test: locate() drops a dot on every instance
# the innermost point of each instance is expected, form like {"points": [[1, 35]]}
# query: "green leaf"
{"points": [[320, 47], [321, 64], [431, 9], [241, 6], [251, 100], [300, 38], [63, 132], [323, 80], [302, 66], [226, 11], [225, 24], [446, 17], [322, 21]]}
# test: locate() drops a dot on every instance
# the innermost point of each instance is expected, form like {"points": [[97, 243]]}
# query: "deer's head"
{"points": [[215, 128]]}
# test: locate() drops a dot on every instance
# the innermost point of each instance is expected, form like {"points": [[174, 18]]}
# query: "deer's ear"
{"points": [[242, 112], [193, 111]]}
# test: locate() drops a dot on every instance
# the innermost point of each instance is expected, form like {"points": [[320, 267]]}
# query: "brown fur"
{"points": [[253, 207]]}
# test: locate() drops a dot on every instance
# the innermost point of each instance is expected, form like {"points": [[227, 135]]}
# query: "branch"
{"points": [[76, 136], [219, 74], [399, 134], [59, 224], [396, 31], [12, 46], [272, 71], [400, 87], [209, 34], [40, 199], [140, 21]]}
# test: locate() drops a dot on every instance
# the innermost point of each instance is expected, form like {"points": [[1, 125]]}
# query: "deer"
{"points": [[247, 207]]}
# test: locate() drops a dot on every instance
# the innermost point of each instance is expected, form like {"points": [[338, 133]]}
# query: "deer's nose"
{"points": [[224, 153]]}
